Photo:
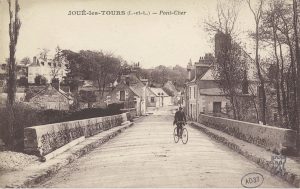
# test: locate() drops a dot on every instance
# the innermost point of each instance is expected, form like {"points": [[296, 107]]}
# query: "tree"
{"points": [[14, 28], [26, 61], [297, 49], [105, 70], [58, 63], [44, 54], [40, 80], [227, 14], [92, 65], [228, 69], [257, 14], [23, 81], [269, 27]]}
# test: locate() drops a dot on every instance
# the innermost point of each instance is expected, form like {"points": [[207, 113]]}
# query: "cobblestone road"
{"points": [[146, 156]]}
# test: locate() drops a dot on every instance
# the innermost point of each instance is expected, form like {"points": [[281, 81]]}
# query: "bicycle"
{"points": [[183, 133]]}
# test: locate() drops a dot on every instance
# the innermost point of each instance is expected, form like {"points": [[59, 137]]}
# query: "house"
{"points": [[132, 93], [51, 97], [21, 72], [46, 68], [203, 93], [161, 97]]}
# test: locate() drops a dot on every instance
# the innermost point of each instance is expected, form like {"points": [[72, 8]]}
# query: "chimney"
{"points": [[34, 60], [222, 43], [189, 70], [202, 66]]}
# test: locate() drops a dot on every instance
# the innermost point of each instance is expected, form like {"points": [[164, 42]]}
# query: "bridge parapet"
{"points": [[278, 140], [44, 139]]}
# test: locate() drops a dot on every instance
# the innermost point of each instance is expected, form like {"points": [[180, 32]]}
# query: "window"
{"points": [[194, 92], [217, 107], [191, 92], [122, 95], [152, 99]]}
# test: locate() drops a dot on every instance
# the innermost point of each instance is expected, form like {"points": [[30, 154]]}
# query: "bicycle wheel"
{"points": [[176, 138], [185, 136]]}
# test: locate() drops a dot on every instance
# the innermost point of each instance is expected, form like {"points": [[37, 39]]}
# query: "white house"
{"points": [[46, 68], [162, 98]]}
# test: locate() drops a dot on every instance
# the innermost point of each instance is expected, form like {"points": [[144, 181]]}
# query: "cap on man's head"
{"points": [[180, 108]]}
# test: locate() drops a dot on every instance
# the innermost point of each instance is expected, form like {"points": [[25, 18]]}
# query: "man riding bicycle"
{"points": [[179, 120]]}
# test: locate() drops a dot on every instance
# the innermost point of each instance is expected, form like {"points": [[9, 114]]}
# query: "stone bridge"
{"points": [[145, 154]]}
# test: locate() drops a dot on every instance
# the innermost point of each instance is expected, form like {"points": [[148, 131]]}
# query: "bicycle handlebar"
{"points": [[181, 122]]}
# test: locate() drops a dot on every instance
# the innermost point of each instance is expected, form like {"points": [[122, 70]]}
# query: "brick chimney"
{"points": [[203, 65], [189, 70]]}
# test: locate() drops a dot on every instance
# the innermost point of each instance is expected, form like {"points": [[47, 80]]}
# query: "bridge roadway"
{"points": [[145, 155]]}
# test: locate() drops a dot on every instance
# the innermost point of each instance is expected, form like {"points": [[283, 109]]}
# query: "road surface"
{"points": [[145, 155]]}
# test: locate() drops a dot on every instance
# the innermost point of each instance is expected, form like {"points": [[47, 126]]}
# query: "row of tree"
{"points": [[105, 68], [276, 37]]}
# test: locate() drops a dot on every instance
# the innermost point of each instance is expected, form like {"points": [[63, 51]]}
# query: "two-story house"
{"points": [[202, 92]]}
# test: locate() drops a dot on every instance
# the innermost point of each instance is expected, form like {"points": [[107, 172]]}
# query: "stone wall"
{"points": [[278, 140], [131, 113], [43, 139]]}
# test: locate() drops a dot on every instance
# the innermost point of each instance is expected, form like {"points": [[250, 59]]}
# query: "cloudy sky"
{"points": [[150, 39]]}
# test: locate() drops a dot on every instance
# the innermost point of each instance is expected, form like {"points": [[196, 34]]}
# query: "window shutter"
{"points": [[126, 95]]}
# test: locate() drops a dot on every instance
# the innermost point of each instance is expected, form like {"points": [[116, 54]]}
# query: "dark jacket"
{"points": [[179, 116]]}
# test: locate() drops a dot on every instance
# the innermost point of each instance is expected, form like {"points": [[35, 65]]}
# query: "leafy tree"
{"points": [[26, 61], [40, 80], [23, 81], [92, 65], [58, 63]]}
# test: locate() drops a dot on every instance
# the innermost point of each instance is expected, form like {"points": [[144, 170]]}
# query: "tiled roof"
{"points": [[41, 92], [137, 90]]}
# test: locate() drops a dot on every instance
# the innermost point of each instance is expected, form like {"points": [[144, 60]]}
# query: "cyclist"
{"points": [[179, 120]]}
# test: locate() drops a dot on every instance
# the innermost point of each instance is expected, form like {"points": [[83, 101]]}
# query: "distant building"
{"points": [[202, 92], [161, 97], [47, 69], [51, 98], [132, 93]]}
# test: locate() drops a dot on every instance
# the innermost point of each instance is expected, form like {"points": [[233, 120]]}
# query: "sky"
{"points": [[151, 39]]}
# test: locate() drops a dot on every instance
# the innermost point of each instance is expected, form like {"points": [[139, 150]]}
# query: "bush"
{"points": [[23, 81]]}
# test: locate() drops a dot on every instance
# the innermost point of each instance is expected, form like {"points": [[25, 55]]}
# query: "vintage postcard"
{"points": [[149, 93]]}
